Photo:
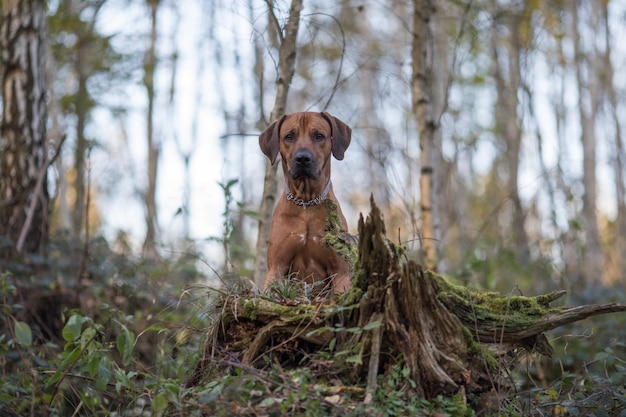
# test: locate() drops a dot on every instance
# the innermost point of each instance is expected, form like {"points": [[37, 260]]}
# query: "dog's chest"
{"points": [[306, 237], [310, 256]]}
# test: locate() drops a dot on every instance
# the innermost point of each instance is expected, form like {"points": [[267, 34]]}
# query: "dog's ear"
{"points": [[341, 135], [269, 140]]}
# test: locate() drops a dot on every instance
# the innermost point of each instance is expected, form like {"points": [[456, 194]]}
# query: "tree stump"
{"points": [[432, 340], [449, 337]]}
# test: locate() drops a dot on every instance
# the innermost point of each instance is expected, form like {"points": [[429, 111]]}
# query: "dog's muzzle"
{"points": [[303, 164]]}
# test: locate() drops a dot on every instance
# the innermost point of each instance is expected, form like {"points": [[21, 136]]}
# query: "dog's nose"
{"points": [[303, 157]]}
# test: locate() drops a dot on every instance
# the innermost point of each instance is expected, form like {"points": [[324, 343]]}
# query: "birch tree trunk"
{"points": [[150, 63], [23, 162], [422, 102], [286, 69]]}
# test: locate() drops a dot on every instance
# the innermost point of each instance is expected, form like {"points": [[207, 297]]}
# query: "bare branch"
{"points": [[36, 193]]}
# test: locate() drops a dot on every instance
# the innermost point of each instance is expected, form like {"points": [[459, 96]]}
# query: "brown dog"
{"points": [[305, 142]]}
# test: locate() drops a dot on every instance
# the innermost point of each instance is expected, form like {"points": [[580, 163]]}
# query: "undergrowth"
{"points": [[124, 338]]}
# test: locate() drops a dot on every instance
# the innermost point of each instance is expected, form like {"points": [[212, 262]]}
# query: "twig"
{"points": [[341, 59], [274, 19], [457, 42], [36, 192]]}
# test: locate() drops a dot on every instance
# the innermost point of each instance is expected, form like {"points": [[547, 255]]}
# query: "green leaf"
{"points": [[269, 401], [104, 374], [125, 341], [372, 325], [172, 387], [354, 330], [123, 379], [23, 334], [355, 359], [92, 367], [319, 331], [87, 337], [331, 345], [70, 354], [50, 382], [160, 402], [72, 328], [573, 411]]}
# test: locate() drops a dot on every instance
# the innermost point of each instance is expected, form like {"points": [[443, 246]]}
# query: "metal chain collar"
{"points": [[300, 202]]}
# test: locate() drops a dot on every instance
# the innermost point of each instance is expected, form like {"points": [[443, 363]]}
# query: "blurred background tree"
{"points": [[512, 85]]}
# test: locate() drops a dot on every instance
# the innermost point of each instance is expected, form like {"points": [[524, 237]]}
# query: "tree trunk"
{"points": [[429, 337], [424, 115], [592, 259], [23, 162], [82, 110], [567, 252], [619, 158], [286, 69], [376, 139], [507, 123], [150, 63]]}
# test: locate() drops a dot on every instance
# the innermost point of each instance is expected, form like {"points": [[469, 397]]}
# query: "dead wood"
{"points": [[448, 336]]}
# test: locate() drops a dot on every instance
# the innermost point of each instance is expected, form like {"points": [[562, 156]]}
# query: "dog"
{"points": [[305, 142]]}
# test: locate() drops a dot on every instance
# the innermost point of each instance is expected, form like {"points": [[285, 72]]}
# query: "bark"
{"points": [[451, 338], [422, 101], [154, 149], [286, 69], [592, 259], [407, 303], [23, 132]]}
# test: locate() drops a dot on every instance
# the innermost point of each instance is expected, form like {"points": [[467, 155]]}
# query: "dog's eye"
{"points": [[288, 137], [319, 137]]}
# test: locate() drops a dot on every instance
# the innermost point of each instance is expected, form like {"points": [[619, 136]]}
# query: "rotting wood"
{"points": [[448, 336]]}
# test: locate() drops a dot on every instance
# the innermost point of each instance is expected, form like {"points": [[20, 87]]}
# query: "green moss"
{"points": [[478, 353], [337, 237], [251, 308], [352, 297], [460, 406], [475, 306]]}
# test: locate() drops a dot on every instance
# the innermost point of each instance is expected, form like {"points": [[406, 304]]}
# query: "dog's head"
{"points": [[305, 142]]}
